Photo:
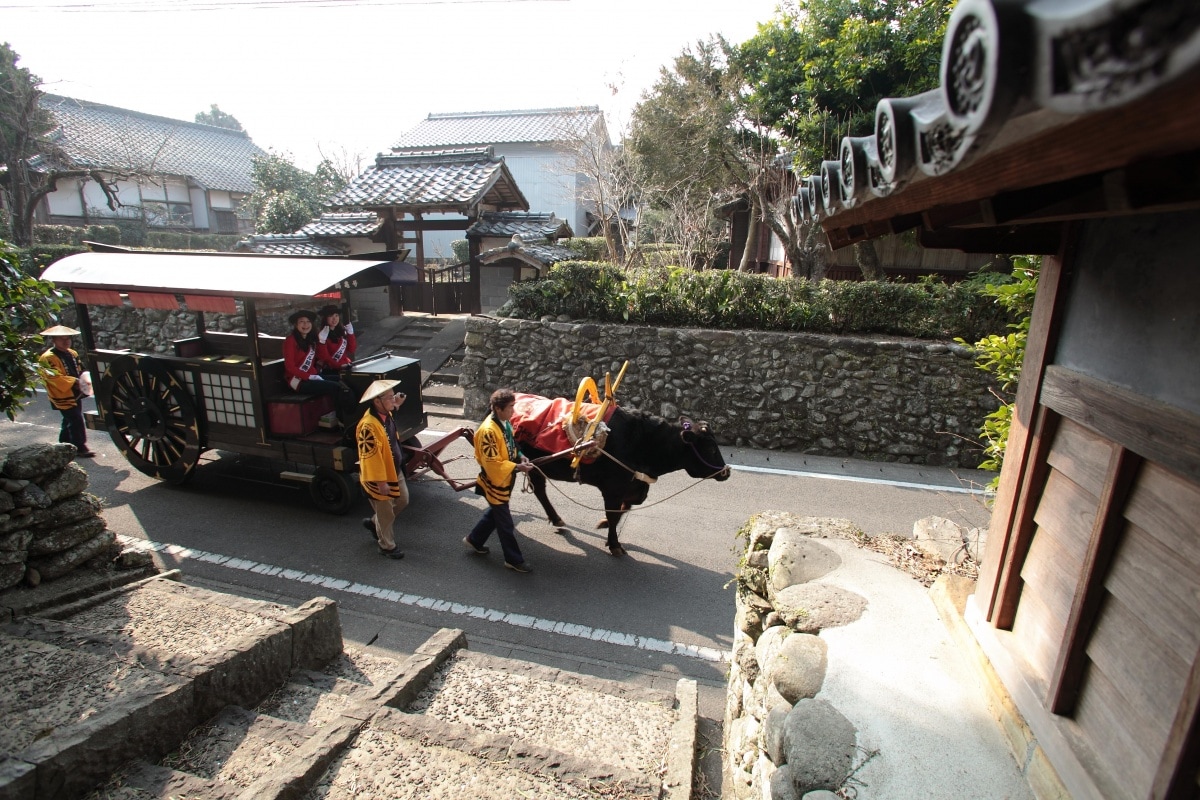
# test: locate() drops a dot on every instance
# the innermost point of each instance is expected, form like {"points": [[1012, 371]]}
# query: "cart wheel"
{"points": [[150, 417], [331, 492]]}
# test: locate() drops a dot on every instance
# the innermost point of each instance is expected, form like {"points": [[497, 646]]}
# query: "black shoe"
{"points": [[522, 567], [395, 552], [369, 524], [483, 551], [85, 454]]}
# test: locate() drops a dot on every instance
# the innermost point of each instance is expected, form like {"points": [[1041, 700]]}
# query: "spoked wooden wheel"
{"points": [[150, 417]]}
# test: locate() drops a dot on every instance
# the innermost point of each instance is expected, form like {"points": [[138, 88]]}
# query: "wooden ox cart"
{"points": [[222, 390]]}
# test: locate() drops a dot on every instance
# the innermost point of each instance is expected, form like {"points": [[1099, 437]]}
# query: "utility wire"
{"points": [[154, 6]]}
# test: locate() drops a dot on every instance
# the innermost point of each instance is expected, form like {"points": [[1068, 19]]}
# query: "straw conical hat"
{"points": [[59, 330], [377, 388]]}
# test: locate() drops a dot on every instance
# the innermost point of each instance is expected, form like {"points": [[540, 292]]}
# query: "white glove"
{"points": [[349, 327], [315, 378], [323, 335]]}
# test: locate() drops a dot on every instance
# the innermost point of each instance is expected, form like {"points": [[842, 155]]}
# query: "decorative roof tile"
{"points": [[538, 254], [110, 138], [495, 127], [343, 223], [527, 224], [1015, 80], [454, 180], [292, 244]]}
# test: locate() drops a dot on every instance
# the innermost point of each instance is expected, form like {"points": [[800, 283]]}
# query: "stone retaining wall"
{"points": [[887, 399], [49, 524], [780, 742]]}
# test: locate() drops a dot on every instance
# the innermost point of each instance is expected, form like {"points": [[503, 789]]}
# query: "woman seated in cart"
{"points": [[336, 343], [302, 367]]}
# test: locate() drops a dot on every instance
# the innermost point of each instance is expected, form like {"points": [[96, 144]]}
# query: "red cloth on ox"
{"points": [[538, 420]]}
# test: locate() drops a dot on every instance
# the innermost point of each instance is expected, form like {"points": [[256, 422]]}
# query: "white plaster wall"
{"points": [[199, 209], [65, 200]]}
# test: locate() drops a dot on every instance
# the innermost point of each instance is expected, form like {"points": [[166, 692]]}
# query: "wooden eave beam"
{"points": [[1043, 239]]}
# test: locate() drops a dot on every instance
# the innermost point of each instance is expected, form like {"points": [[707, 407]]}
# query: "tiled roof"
{"points": [[539, 254], [526, 224], [343, 223], [117, 139], [291, 244], [495, 127], [455, 180]]}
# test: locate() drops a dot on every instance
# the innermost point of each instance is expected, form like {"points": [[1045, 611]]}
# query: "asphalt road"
{"points": [[662, 612]]}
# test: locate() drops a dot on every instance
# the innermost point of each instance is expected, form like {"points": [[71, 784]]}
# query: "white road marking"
{"points": [[855, 479], [458, 609]]}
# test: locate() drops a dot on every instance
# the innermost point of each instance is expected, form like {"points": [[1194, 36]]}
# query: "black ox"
{"points": [[637, 443]]}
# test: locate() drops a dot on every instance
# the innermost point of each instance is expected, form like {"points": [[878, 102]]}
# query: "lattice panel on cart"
{"points": [[227, 398]]}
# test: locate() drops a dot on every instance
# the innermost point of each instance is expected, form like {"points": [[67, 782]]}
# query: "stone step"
{"points": [[601, 722], [238, 747], [442, 394], [398, 755], [133, 669]]}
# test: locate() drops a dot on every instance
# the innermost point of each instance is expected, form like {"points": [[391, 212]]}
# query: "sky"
{"points": [[347, 77]]}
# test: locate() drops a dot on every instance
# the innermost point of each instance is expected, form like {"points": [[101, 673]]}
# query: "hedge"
{"points": [[727, 299]]}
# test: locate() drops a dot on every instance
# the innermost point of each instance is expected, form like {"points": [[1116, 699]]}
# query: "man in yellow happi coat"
{"points": [[499, 462], [380, 463], [67, 383]]}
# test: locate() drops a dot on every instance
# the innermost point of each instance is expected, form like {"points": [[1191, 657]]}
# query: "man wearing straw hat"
{"points": [[67, 383], [380, 463]]}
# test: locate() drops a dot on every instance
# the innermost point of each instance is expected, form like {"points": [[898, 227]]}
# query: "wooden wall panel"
{"points": [[1147, 673], [1051, 572], [1168, 507], [1040, 633], [1160, 588], [1067, 511], [1081, 455], [1102, 715]]}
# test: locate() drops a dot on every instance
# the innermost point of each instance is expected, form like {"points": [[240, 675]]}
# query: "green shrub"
{"points": [[56, 234], [105, 234], [676, 297], [133, 231], [177, 240], [461, 249], [39, 256], [589, 248], [1003, 354], [29, 306]]}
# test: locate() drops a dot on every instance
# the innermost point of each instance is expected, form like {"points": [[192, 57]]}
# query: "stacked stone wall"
{"points": [[781, 742], [888, 399], [49, 524]]}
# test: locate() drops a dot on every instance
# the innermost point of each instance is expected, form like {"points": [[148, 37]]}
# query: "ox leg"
{"points": [[538, 480], [614, 510]]}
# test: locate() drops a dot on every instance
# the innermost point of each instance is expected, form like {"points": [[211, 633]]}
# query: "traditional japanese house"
{"points": [[1072, 130]]}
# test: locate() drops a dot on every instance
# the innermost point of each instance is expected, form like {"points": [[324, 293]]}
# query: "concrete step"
{"points": [[445, 394]]}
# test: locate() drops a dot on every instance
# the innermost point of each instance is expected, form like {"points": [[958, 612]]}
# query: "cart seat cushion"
{"points": [[297, 414]]}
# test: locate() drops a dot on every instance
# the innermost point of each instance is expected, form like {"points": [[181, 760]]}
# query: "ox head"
{"points": [[702, 454]]}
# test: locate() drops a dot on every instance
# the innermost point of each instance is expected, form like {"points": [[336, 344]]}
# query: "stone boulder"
{"points": [[798, 670], [940, 538], [796, 558], [813, 607], [71, 481], [33, 461], [818, 746], [769, 644]]}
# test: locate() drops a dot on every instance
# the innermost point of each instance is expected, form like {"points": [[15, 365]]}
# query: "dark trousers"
{"points": [[498, 519], [73, 428]]}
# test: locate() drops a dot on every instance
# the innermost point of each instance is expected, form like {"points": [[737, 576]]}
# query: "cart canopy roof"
{"points": [[230, 275]]}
